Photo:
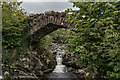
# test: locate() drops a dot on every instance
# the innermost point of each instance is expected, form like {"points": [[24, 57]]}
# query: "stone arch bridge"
{"points": [[43, 24]]}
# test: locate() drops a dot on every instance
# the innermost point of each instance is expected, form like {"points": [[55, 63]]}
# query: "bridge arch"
{"points": [[43, 24]]}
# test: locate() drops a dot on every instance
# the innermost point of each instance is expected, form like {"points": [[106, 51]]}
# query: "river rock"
{"points": [[31, 64]]}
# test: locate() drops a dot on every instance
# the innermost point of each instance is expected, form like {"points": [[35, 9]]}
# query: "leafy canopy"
{"points": [[96, 36], [13, 17]]}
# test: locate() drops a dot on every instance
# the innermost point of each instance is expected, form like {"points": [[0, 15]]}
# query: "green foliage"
{"points": [[59, 36], [12, 21], [13, 25], [96, 36], [44, 45]]}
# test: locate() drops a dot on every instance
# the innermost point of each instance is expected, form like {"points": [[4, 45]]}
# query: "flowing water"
{"points": [[60, 68], [61, 71]]}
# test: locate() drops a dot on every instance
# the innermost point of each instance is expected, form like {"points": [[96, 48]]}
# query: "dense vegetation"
{"points": [[96, 37], [12, 18], [13, 25]]}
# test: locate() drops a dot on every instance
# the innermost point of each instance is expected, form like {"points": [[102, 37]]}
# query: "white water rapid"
{"points": [[60, 68], [61, 72]]}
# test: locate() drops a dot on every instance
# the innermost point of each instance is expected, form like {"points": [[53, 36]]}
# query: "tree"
{"points": [[12, 21], [13, 17], [96, 36]]}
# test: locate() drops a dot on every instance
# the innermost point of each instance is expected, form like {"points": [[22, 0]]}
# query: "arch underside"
{"points": [[45, 31]]}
